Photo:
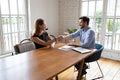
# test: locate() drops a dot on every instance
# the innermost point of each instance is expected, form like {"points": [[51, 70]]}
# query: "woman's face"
{"points": [[42, 27]]}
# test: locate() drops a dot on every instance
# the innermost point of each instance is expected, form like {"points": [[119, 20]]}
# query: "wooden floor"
{"points": [[110, 68]]}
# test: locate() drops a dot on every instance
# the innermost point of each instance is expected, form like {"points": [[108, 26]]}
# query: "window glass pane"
{"points": [[21, 6], [118, 8], [84, 10], [91, 21], [109, 25], [111, 7], [22, 23], [15, 38], [109, 33], [7, 42], [6, 24], [13, 6], [23, 35], [14, 24], [4, 7], [117, 25], [98, 20], [99, 6], [91, 8], [117, 34]]}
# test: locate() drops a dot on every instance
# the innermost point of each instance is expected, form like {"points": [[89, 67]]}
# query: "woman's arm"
{"points": [[41, 42]]}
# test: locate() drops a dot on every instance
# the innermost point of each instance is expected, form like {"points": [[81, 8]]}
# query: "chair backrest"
{"points": [[25, 45], [97, 54]]}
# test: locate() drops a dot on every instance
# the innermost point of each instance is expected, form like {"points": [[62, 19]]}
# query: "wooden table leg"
{"points": [[56, 77], [79, 77]]}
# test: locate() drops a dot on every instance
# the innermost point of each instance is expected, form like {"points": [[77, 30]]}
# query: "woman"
{"points": [[40, 37]]}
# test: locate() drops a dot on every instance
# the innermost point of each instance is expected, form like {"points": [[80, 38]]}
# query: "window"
{"points": [[105, 20], [13, 24]]}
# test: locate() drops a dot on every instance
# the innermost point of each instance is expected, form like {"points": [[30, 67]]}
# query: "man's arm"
{"points": [[69, 36]]}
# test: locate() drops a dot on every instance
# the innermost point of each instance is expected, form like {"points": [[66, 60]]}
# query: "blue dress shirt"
{"points": [[87, 37]]}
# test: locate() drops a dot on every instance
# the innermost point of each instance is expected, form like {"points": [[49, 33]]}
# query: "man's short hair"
{"points": [[85, 19]]}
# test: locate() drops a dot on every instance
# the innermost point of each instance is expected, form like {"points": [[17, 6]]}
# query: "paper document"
{"points": [[81, 50], [66, 47]]}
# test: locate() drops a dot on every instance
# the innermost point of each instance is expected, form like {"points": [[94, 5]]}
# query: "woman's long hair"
{"points": [[38, 23]]}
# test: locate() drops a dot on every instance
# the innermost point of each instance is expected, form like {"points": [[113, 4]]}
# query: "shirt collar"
{"points": [[85, 29]]}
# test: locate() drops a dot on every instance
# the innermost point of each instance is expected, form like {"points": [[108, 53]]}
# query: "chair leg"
{"points": [[100, 69], [102, 75]]}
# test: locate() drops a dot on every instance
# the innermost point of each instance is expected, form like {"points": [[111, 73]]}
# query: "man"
{"points": [[87, 37]]}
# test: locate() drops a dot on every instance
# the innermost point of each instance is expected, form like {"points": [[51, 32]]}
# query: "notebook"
{"points": [[81, 50]]}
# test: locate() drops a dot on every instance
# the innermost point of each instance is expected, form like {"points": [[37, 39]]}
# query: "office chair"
{"points": [[25, 45], [95, 57]]}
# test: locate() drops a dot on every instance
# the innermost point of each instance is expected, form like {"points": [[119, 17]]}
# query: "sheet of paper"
{"points": [[66, 47]]}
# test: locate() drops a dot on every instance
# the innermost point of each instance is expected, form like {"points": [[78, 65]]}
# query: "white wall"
{"points": [[69, 14], [46, 9]]}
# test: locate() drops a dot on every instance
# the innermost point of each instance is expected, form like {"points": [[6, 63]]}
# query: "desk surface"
{"points": [[39, 64]]}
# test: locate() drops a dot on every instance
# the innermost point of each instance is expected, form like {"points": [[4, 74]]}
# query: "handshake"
{"points": [[61, 37]]}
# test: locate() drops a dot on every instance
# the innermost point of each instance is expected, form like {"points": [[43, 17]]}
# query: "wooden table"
{"points": [[40, 64]]}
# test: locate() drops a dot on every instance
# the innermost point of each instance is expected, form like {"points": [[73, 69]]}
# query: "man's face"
{"points": [[82, 23]]}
